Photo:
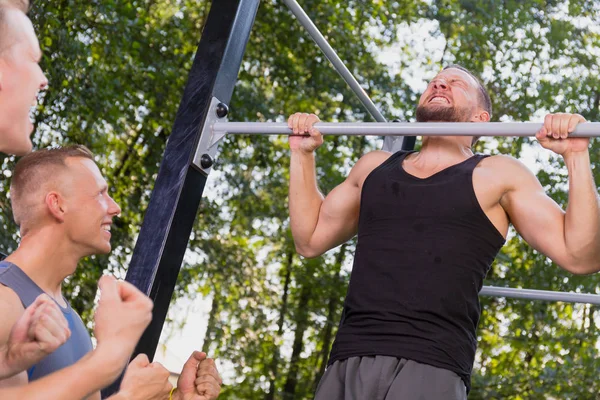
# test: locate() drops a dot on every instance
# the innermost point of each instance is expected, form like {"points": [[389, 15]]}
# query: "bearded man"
{"points": [[429, 226]]}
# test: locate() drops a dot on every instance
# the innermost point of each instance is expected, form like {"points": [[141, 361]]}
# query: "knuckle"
{"points": [[148, 303]]}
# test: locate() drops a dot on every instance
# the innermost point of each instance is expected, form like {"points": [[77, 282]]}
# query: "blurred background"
{"points": [[117, 70]]}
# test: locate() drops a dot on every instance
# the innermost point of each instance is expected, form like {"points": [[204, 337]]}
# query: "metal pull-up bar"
{"points": [[220, 129]]}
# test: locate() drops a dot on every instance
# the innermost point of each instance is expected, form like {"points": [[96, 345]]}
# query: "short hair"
{"points": [[35, 170], [484, 96], [21, 5]]}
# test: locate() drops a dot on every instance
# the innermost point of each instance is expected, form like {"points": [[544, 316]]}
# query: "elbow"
{"points": [[581, 268], [307, 251], [583, 260]]}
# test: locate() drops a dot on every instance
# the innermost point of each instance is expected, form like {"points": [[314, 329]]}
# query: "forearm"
{"points": [[582, 219], [305, 200], [6, 371], [77, 381], [13, 365]]}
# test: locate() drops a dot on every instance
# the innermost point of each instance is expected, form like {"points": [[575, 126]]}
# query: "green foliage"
{"points": [[117, 71]]}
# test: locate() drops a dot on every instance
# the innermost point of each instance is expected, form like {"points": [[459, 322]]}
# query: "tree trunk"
{"points": [[291, 382], [332, 306], [210, 327], [283, 310]]}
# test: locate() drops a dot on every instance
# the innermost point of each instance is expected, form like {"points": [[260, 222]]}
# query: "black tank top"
{"points": [[424, 248]]}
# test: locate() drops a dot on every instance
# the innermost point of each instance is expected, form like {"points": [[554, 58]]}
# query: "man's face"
{"points": [[452, 96], [21, 78], [89, 209]]}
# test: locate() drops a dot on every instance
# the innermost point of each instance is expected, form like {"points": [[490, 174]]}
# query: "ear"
{"points": [[481, 116], [56, 206]]}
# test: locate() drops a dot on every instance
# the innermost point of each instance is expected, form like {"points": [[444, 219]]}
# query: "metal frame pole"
{"points": [[588, 129], [390, 144], [540, 295], [335, 60], [171, 213]]}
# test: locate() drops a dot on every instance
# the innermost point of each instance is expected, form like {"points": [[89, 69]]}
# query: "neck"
{"points": [[446, 148], [46, 260]]}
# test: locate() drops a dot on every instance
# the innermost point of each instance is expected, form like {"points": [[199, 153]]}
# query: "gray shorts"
{"points": [[388, 378]]}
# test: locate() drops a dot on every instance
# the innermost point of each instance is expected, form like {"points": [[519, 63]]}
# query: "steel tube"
{"points": [[588, 129], [543, 295], [332, 56]]}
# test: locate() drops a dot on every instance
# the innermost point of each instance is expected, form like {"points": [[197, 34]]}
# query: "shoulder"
{"points": [[371, 160], [11, 310], [8, 298], [505, 168], [505, 164], [366, 164]]}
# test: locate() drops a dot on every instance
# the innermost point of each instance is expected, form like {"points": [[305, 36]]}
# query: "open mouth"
{"points": [[439, 100], [106, 228]]}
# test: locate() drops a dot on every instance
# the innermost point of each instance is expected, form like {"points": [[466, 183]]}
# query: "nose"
{"points": [[439, 84], [114, 208]]}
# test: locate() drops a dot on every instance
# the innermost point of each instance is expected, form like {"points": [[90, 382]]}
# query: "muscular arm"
{"points": [[321, 223], [77, 381], [572, 238]]}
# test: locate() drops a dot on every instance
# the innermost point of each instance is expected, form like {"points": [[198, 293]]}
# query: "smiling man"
{"points": [[21, 77], [61, 203], [429, 226]]}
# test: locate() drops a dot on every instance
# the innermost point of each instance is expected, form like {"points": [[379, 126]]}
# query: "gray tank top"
{"points": [[78, 345]]}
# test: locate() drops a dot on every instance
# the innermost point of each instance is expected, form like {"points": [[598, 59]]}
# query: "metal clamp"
{"points": [[209, 140]]}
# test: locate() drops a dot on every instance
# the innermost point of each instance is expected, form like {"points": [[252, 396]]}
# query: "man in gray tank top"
{"points": [[60, 201], [78, 344], [28, 335], [52, 243], [44, 316]]}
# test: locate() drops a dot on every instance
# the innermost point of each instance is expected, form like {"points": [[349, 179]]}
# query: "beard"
{"points": [[429, 113]]}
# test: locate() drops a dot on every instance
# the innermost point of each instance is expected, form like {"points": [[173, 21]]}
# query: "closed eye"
{"points": [[458, 82]]}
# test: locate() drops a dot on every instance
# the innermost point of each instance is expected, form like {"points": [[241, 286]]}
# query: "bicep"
{"points": [[537, 218], [339, 212], [338, 217]]}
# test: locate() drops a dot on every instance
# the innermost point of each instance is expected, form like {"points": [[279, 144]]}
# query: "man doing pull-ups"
{"points": [[429, 226]]}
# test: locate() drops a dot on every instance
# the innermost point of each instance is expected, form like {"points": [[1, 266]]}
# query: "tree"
{"points": [[117, 70]]}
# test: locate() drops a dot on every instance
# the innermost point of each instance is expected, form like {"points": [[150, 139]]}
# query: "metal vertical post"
{"points": [[170, 216]]}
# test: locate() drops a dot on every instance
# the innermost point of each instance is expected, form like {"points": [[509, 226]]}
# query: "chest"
{"points": [[459, 192]]}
